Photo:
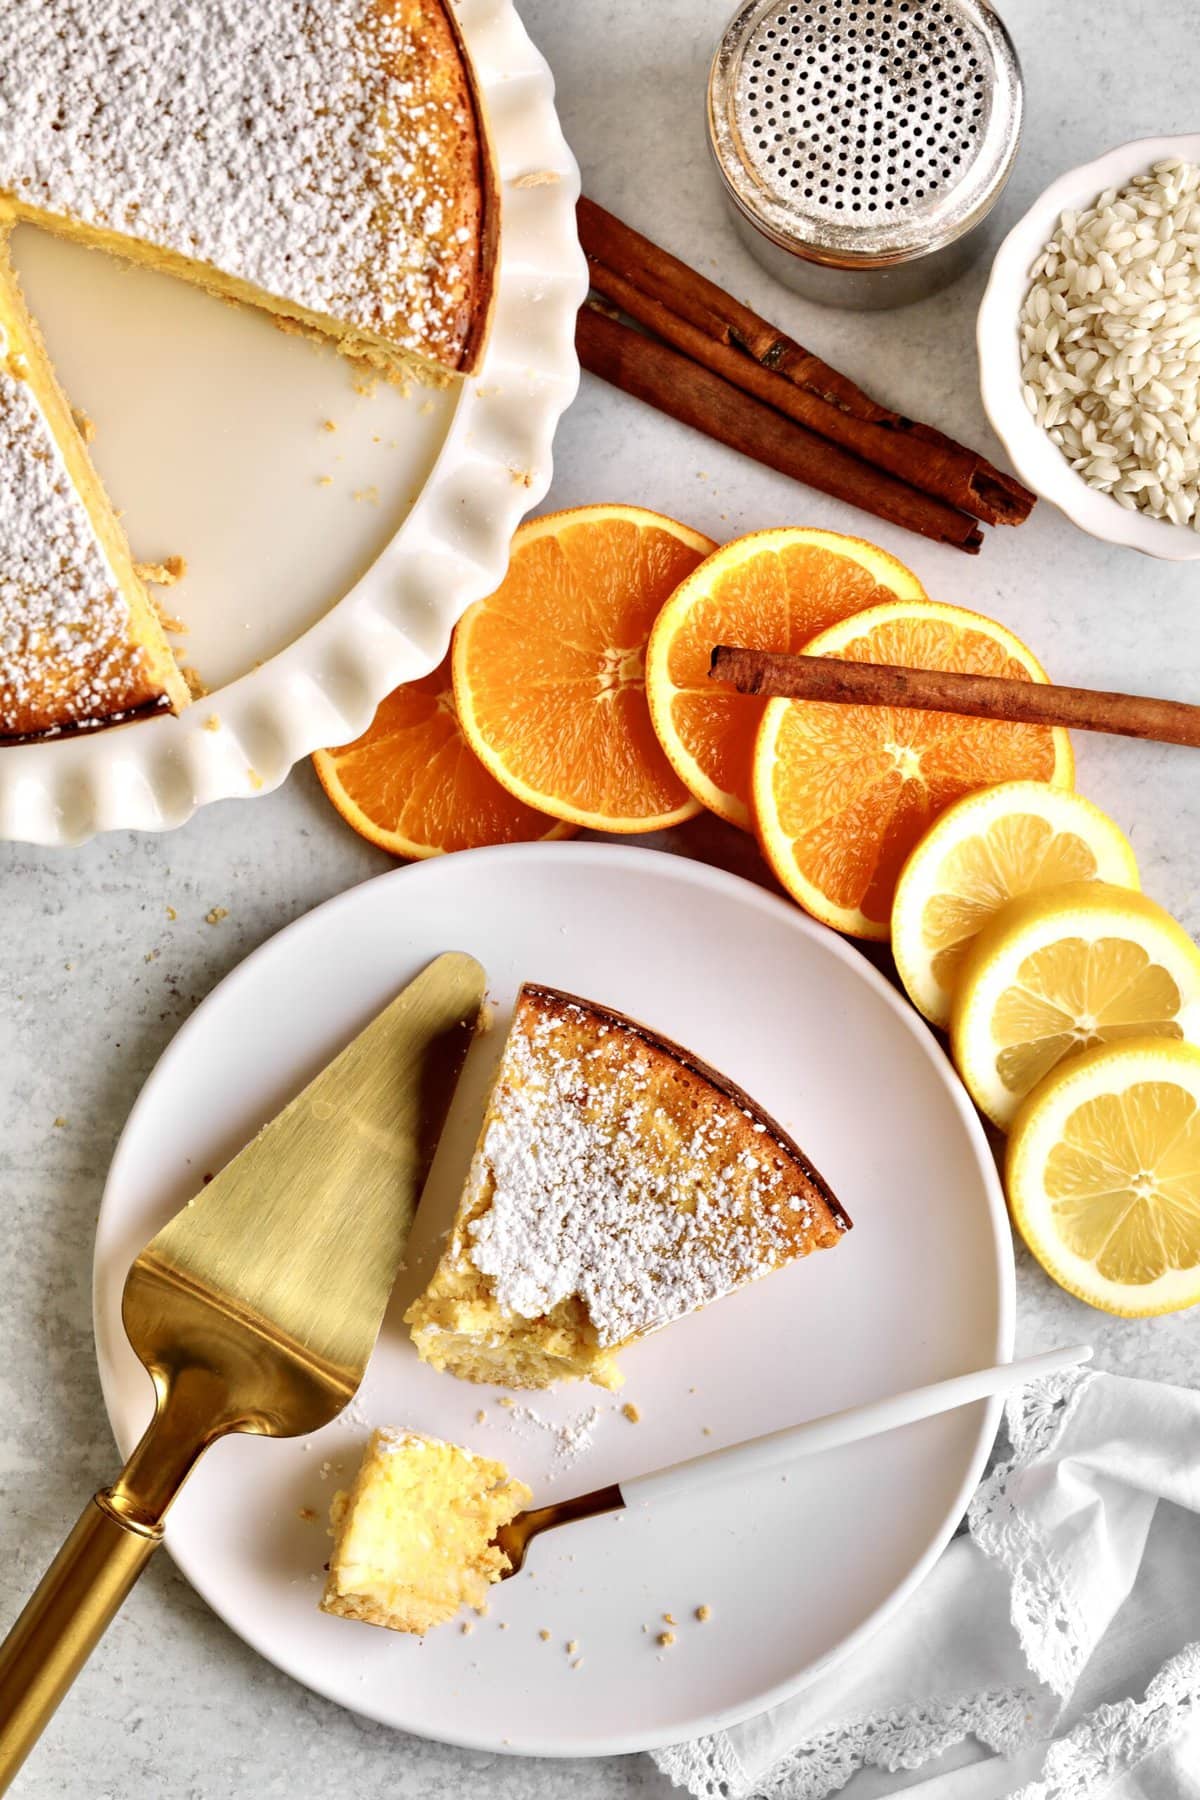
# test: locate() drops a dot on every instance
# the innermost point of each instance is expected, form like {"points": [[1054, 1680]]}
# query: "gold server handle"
{"points": [[63, 1622]]}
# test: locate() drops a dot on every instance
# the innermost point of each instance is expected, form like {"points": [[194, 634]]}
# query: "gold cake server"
{"points": [[255, 1309]]}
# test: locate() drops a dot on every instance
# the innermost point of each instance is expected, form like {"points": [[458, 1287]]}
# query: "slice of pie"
{"points": [[412, 1536], [618, 1183], [80, 642], [323, 160]]}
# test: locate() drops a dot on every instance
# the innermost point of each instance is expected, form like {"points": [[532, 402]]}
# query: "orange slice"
{"points": [[843, 793], [550, 671], [412, 784], [773, 590]]}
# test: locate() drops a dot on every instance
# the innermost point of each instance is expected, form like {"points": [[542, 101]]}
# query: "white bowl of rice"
{"points": [[1089, 346]]}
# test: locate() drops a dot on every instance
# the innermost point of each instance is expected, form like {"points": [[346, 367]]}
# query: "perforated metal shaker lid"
{"points": [[865, 133]]}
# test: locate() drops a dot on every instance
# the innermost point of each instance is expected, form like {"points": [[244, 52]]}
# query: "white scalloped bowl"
{"points": [[1038, 461], [295, 666]]}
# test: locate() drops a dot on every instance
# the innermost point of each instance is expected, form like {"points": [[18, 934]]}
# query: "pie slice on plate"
{"points": [[618, 1184]]}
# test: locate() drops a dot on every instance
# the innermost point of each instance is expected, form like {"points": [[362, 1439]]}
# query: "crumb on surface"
{"points": [[505, 1401], [572, 1646], [537, 178], [328, 424], [168, 620], [59, 1121], [666, 1639], [522, 477], [480, 1417], [212, 723], [324, 480], [578, 1663], [172, 914], [427, 407], [669, 1619], [631, 1412], [544, 1635], [704, 1613], [85, 426], [163, 574], [308, 1514], [195, 681], [368, 494], [215, 914], [485, 1018], [254, 778], [707, 1430], [150, 956], [467, 1627]]}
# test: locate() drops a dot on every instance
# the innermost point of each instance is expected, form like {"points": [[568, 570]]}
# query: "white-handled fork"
{"points": [[777, 1449]]}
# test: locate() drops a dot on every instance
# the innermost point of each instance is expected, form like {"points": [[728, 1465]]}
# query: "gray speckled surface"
{"points": [[173, 1704]]}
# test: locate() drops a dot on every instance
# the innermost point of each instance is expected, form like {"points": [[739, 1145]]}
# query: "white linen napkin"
{"points": [[1053, 1653]]}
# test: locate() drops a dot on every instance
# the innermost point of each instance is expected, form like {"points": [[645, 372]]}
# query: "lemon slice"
{"points": [[1052, 974], [1104, 1176], [1021, 837]]}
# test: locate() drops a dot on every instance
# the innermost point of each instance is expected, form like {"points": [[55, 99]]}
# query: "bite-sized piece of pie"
{"points": [[618, 1183], [412, 1537], [325, 160], [80, 641]]}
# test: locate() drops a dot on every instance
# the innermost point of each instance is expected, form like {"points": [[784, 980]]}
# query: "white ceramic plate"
{"points": [[305, 603], [1038, 461], [797, 1570]]}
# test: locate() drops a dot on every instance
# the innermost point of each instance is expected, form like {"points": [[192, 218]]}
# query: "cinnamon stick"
{"points": [[691, 393], [608, 240], [696, 315], [887, 450], [827, 678]]}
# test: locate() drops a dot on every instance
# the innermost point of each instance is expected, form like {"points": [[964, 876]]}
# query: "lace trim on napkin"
{"points": [[709, 1767], [1114, 1740], [1053, 1636]]}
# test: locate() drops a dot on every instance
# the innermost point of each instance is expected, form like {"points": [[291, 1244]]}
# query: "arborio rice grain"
{"points": [[1110, 340]]}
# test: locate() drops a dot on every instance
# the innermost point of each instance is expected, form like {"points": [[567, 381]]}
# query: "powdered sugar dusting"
{"points": [[599, 1190], [64, 624], [307, 147], [355, 1413], [570, 1438]]}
